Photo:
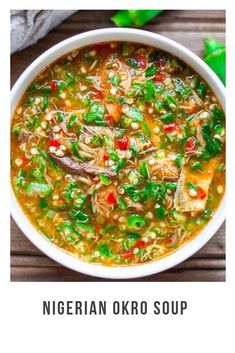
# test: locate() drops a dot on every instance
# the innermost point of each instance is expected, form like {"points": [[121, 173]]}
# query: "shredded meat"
{"points": [[165, 169], [133, 206], [74, 167], [101, 131], [169, 201], [24, 136], [99, 201], [65, 130], [198, 124]]}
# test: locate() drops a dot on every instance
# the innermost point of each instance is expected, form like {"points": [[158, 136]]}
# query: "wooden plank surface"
{"points": [[186, 27]]}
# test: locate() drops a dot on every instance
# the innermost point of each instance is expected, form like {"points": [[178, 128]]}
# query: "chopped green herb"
{"points": [[151, 70]]}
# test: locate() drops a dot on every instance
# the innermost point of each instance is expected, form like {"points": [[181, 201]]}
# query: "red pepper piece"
{"points": [[54, 143], [123, 143], [111, 199], [97, 229], [25, 162], [98, 95], [194, 109], [107, 86], [140, 244], [54, 86], [159, 77], [201, 193], [170, 127], [109, 119], [119, 108], [127, 255], [24, 159], [190, 145], [105, 156]]}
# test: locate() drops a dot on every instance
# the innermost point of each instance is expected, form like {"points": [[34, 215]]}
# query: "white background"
{"points": [[208, 324]]}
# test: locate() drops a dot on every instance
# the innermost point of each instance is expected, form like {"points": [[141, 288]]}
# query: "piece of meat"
{"points": [[24, 136], [74, 167], [164, 169], [183, 201]]}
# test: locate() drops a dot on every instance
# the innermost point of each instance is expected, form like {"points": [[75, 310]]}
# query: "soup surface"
{"points": [[117, 153]]}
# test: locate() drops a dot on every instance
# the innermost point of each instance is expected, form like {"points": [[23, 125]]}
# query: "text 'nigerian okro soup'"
{"points": [[117, 153]]}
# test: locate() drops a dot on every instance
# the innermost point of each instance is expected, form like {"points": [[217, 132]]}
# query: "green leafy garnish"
{"points": [[215, 57]]}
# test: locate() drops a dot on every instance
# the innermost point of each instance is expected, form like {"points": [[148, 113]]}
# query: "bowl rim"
{"points": [[48, 57]]}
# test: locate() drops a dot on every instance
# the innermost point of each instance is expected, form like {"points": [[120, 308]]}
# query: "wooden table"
{"points": [[186, 27]]}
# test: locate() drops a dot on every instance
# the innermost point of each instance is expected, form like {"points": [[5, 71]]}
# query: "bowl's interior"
{"points": [[80, 41]]}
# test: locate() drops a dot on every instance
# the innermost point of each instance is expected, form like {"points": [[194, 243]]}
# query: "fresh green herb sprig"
{"points": [[134, 18], [215, 57]]}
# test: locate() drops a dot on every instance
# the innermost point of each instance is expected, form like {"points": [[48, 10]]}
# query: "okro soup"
{"points": [[117, 153]]}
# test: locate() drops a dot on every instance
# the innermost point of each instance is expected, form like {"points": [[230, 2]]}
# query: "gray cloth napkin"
{"points": [[28, 26]]}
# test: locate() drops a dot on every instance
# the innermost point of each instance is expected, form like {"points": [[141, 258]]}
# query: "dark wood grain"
{"points": [[189, 28], [51, 274]]}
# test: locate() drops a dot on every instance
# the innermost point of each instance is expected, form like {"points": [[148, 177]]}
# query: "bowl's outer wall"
{"points": [[89, 38]]}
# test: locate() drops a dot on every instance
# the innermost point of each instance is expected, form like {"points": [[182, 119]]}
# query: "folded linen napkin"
{"points": [[28, 26]]}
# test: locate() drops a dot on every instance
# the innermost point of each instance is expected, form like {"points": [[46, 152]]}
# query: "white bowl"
{"points": [[81, 40]]}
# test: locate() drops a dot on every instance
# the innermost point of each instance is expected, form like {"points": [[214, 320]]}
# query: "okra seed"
{"points": [[59, 153]]}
